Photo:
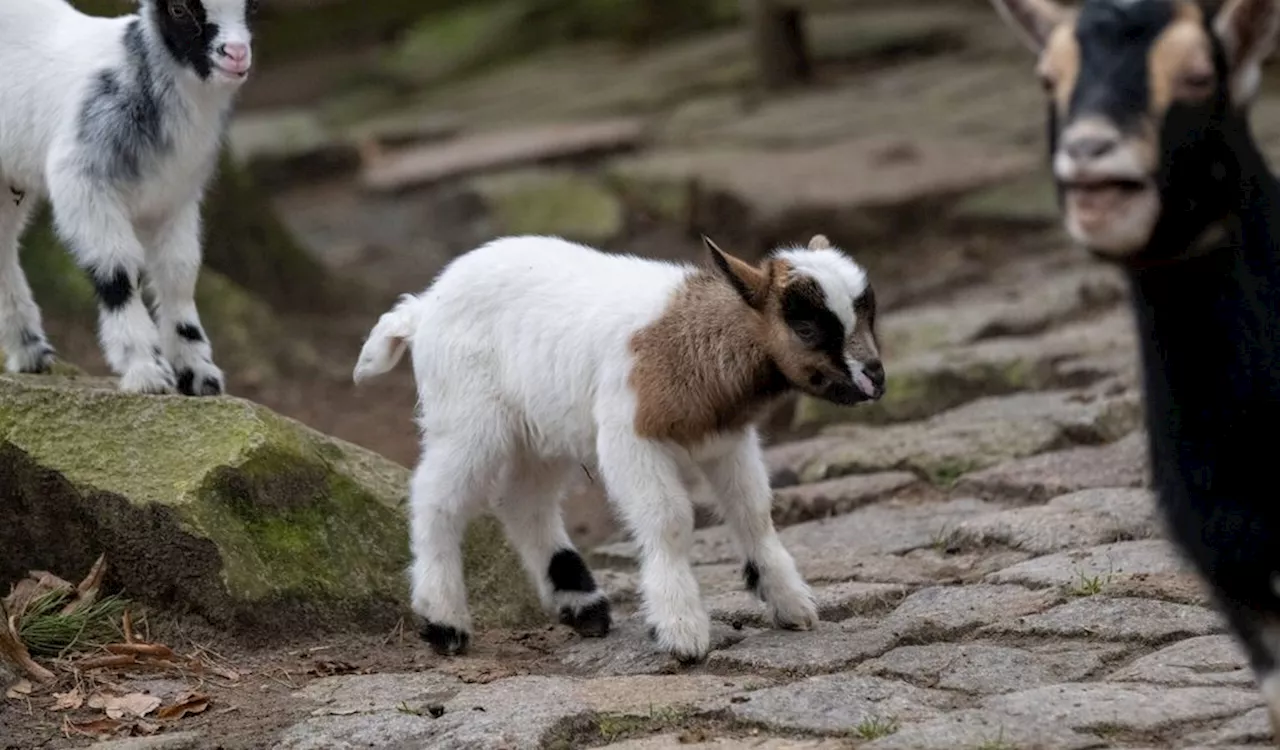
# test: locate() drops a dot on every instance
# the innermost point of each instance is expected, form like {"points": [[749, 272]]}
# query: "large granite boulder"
{"points": [[218, 507]]}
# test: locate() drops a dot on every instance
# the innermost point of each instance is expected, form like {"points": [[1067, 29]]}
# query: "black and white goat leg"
{"points": [[530, 513], [21, 333], [100, 235], [173, 265], [741, 485]]}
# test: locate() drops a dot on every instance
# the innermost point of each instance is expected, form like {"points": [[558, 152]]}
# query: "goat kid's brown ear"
{"points": [[751, 283], [1032, 20], [1247, 29]]}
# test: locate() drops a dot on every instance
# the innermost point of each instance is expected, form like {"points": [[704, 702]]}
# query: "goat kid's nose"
{"points": [[874, 370], [1090, 147], [237, 52]]}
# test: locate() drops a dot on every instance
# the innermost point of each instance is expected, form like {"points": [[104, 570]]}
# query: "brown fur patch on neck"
{"points": [[702, 368]]}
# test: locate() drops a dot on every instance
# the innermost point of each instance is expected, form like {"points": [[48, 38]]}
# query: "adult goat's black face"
{"points": [[1138, 93]]}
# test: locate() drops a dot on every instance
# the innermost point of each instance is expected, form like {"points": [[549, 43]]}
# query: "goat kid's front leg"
{"points": [[173, 266], [741, 484], [99, 233], [643, 478]]}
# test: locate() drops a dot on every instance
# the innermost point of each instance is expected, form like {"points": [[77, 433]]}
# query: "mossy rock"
{"points": [[219, 507], [562, 203]]}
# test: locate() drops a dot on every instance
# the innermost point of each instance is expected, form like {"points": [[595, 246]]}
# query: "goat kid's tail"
{"points": [[389, 339]]}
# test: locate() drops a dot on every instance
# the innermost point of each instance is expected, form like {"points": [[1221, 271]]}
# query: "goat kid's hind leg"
{"points": [[448, 487], [530, 512], [643, 479], [741, 484], [100, 234], [21, 333], [173, 265]]}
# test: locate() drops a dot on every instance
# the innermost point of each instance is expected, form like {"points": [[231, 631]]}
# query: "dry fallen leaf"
{"points": [[19, 690], [69, 700], [95, 728], [133, 704], [189, 703]]}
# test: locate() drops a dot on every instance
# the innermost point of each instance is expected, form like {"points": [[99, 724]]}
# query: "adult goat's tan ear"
{"points": [[1032, 20], [1247, 29], [751, 283]]}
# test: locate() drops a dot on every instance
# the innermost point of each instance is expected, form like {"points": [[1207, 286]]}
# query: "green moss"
{"points": [[289, 514], [459, 41], [247, 243], [562, 203]]}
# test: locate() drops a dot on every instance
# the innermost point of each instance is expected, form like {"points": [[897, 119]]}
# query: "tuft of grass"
{"points": [[874, 727], [615, 727], [46, 631], [944, 539], [1089, 585]]}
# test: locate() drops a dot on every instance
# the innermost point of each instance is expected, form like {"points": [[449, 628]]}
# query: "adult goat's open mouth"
{"points": [[1097, 201]]}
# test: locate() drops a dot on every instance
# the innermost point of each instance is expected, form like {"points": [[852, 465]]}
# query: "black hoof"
{"points": [[444, 639], [592, 621]]}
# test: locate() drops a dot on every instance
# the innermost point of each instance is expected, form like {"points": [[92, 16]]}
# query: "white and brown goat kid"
{"points": [[535, 356]]}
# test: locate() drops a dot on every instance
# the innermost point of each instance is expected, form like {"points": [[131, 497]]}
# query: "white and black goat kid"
{"points": [[118, 122], [1158, 172], [535, 357]]}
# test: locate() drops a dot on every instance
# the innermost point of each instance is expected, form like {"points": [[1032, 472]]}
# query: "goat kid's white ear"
{"points": [[1032, 20], [1247, 30], [750, 282]]}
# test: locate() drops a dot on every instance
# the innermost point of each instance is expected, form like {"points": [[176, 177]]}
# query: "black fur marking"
{"points": [[186, 382], [18, 195], [121, 116], [186, 32], [444, 639], [751, 574], [1114, 41], [805, 311], [568, 572], [592, 621], [114, 291], [210, 386], [190, 332]]}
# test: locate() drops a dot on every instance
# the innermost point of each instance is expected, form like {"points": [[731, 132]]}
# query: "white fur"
{"points": [[52, 57], [521, 354]]}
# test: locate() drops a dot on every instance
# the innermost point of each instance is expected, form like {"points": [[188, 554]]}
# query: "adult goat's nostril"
{"points": [[1091, 147]]}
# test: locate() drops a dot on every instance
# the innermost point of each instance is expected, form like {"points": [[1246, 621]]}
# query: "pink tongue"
{"points": [[864, 383]]}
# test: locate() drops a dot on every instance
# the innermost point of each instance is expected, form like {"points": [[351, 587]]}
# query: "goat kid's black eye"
{"points": [[179, 12]]}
